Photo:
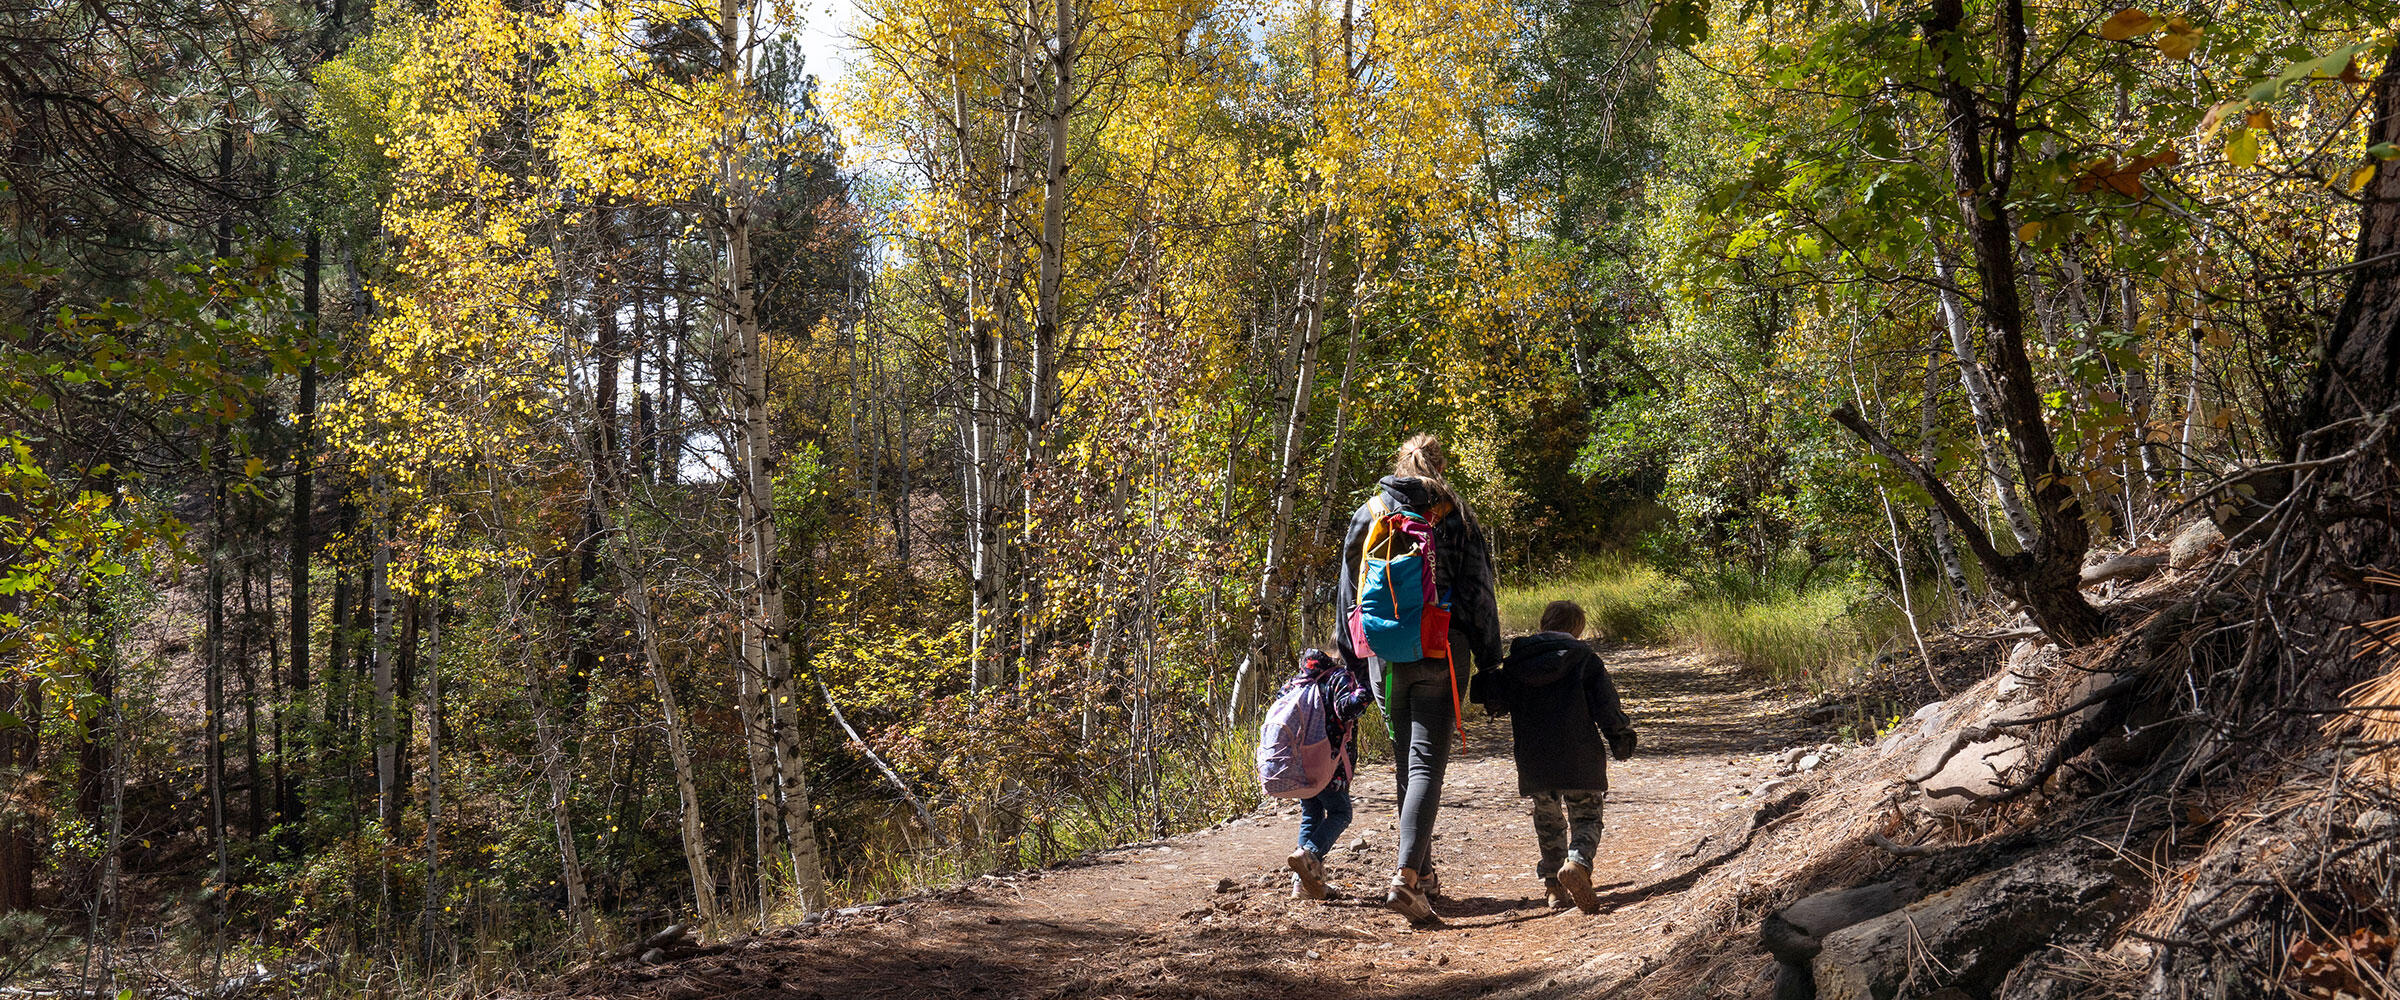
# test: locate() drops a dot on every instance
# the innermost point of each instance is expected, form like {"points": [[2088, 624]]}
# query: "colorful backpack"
{"points": [[1401, 614], [1297, 753]]}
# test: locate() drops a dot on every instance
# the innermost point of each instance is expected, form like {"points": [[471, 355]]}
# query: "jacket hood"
{"points": [[1543, 658], [1408, 491]]}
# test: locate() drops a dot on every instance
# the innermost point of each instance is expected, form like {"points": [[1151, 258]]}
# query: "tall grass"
{"points": [[1625, 599], [1792, 624]]}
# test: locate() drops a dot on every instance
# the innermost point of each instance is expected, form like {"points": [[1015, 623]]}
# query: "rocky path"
{"points": [[1207, 915]]}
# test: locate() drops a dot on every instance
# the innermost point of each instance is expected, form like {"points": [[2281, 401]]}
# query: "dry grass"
{"points": [[2375, 703]]}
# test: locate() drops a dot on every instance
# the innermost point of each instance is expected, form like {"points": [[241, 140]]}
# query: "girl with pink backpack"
{"points": [[1306, 751]]}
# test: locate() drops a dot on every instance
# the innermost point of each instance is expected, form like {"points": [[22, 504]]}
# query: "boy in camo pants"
{"points": [[1567, 721]]}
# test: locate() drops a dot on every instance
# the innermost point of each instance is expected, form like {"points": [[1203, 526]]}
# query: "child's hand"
{"points": [[1620, 745]]}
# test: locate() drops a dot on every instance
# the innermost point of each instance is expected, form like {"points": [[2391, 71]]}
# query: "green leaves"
{"points": [[1680, 24], [2243, 150]]}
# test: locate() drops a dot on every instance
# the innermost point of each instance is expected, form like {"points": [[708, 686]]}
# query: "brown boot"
{"points": [[1407, 900], [1308, 875], [1577, 878], [1556, 894]]}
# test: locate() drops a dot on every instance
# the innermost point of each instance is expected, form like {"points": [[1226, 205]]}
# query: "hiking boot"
{"points": [[1308, 875], [1576, 878], [1556, 894], [1407, 899]]}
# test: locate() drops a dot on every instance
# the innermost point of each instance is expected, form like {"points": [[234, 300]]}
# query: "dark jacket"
{"points": [[1564, 710], [1462, 566]]}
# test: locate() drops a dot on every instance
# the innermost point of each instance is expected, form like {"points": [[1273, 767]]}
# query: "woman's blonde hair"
{"points": [[1421, 457]]}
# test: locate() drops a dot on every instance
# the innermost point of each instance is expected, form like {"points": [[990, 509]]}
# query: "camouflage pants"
{"points": [[1568, 826]]}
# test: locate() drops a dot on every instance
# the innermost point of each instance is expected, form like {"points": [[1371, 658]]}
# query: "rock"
{"points": [[1312, 953], [1228, 885], [1769, 789], [1973, 937], [1791, 757], [1811, 762], [654, 956], [2024, 655], [1794, 935], [2194, 543], [1978, 769], [2128, 566], [1359, 844]]}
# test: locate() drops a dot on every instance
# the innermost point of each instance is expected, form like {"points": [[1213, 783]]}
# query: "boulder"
{"points": [[1795, 934], [2194, 543], [1972, 937], [1979, 769]]}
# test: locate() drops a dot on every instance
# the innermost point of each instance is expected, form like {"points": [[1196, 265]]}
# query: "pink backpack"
{"points": [[1297, 757]]}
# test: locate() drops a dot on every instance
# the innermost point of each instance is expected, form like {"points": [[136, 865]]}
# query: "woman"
{"points": [[1420, 697]]}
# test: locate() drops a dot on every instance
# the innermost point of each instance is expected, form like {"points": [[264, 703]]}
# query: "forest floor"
{"points": [[1208, 914]]}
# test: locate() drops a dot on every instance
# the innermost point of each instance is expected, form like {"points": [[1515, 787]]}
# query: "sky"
{"points": [[823, 35]]}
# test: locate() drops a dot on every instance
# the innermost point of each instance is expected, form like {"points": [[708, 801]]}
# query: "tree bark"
{"points": [[20, 752], [1979, 400], [287, 792], [1270, 617], [765, 629], [2047, 577], [1928, 453], [2358, 381]]}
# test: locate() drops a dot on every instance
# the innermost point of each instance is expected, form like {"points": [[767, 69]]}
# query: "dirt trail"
{"points": [[1156, 920]]}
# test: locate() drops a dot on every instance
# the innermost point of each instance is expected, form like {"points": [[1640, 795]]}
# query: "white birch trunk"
{"points": [[1979, 401]]}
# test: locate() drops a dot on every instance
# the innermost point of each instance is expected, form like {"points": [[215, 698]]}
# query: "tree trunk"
{"points": [[287, 792], [1270, 619], [2047, 578], [2359, 382], [383, 719], [20, 752], [1928, 453], [557, 772], [765, 629], [1979, 400], [214, 758], [431, 919]]}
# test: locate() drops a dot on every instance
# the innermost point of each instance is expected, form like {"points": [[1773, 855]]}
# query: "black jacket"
{"points": [[1462, 565], [1563, 708]]}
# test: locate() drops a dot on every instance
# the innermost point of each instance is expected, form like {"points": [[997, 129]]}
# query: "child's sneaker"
{"points": [[1407, 899], [1556, 894], [1308, 875], [1576, 877]]}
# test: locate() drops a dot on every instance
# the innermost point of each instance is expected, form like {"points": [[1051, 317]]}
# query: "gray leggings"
{"points": [[1423, 722]]}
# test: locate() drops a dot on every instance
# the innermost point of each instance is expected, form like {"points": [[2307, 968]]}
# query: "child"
{"points": [[1563, 704], [1325, 815]]}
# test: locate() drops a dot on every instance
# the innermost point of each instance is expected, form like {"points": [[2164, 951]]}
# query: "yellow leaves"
{"points": [[2129, 24], [2359, 180], [2123, 176], [2181, 39], [2215, 118], [2133, 23]]}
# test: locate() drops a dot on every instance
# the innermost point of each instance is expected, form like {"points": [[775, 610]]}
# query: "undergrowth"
{"points": [[1794, 623]]}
